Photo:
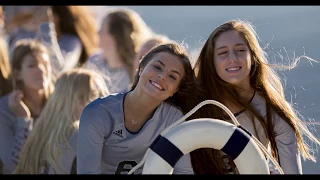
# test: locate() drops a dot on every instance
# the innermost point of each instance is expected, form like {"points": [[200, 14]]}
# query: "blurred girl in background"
{"points": [[52, 145], [121, 35], [32, 86]]}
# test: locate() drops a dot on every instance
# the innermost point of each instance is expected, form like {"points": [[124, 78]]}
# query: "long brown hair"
{"points": [[263, 79], [78, 21], [5, 71]]}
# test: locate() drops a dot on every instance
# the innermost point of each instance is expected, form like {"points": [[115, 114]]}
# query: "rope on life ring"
{"points": [[182, 138]]}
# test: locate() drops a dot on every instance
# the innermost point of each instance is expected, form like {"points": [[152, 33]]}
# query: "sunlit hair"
{"points": [[156, 40], [263, 79], [79, 21], [25, 47], [129, 32], [5, 71], [59, 119], [187, 95]]}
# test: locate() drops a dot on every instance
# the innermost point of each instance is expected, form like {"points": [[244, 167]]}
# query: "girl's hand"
{"points": [[17, 106]]}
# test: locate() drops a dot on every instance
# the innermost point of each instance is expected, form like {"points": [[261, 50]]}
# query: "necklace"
{"points": [[134, 122], [130, 114], [130, 117]]}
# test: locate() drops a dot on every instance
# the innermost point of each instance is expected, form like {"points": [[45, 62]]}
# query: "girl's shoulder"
{"points": [[108, 103], [168, 106], [168, 110]]}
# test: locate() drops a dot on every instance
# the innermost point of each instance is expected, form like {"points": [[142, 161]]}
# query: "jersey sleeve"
{"points": [[95, 126], [173, 116], [289, 156], [12, 142]]}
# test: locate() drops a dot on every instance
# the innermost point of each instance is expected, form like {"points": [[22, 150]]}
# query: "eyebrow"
{"points": [[239, 44], [165, 66]]}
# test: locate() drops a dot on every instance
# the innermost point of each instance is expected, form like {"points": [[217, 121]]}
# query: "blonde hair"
{"points": [[129, 31], [58, 120], [5, 71]]}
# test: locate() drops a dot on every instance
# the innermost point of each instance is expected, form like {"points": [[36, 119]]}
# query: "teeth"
{"points": [[157, 85], [233, 69]]}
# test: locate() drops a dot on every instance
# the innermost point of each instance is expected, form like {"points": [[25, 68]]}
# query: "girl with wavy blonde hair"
{"points": [[51, 147]]}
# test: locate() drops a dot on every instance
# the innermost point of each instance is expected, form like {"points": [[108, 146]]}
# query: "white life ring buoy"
{"points": [[235, 141]]}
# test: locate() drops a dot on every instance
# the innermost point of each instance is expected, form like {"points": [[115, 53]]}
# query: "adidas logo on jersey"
{"points": [[118, 133]]}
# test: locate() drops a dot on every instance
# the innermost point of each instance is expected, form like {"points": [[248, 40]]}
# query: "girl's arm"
{"points": [[12, 140], [93, 129], [289, 156]]}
